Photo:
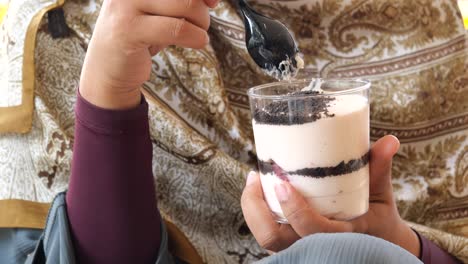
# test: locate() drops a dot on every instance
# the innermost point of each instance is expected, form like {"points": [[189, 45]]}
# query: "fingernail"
{"points": [[397, 145], [391, 146], [282, 192], [250, 178]]}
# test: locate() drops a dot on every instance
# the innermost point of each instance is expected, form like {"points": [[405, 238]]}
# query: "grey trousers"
{"points": [[54, 246], [343, 248]]}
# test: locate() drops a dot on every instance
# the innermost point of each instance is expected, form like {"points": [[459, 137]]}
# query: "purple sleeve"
{"points": [[111, 199], [432, 254]]}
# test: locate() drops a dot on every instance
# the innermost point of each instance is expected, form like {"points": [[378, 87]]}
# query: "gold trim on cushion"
{"points": [[18, 119], [26, 214], [463, 5], [3, 10], [180, 246], [23, 214]]}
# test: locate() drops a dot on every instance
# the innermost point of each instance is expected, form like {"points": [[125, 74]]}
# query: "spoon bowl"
{"points": [[269, 43]]}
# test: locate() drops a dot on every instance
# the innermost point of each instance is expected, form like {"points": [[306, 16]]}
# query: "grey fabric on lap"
{"points": [[344, 248], [17, 243], [52, 245]]}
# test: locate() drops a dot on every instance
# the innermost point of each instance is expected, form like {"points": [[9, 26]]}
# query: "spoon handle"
{"points": [[245, 10], [242, 4]]}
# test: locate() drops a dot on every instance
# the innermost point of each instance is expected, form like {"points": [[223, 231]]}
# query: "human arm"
{"points": [[111, 200]]}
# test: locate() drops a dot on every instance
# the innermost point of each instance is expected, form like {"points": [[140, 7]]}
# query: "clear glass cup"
{"points": [[318, 141]]}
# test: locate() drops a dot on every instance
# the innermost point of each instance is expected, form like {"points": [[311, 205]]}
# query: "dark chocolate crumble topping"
{"points": [[294, 111], [317, 172]]}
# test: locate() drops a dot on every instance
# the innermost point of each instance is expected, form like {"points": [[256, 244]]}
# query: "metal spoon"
{"points": [[269, 42]]}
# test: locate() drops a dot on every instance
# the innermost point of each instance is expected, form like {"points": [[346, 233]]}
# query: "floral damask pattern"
{"points": [[427, 102], [334, 34], [414, 52], [427, 169]]}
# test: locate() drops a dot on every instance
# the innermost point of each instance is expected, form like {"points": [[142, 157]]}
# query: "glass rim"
{"points": [[365, 85]]}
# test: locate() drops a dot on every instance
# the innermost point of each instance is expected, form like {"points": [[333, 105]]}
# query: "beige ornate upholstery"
{"points": [[415, 53]]}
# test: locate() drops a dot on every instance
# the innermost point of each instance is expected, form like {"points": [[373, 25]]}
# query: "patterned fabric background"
{"points": [[414, 52]]}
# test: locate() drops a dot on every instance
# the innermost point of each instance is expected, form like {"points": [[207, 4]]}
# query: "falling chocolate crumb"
{"points": [[294, 111]]}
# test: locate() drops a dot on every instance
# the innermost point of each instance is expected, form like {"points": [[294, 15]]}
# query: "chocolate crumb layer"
{"points": [[317, 172], [294, 111]]}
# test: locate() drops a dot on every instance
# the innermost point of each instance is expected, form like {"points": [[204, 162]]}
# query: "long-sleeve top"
{"points": [[111, 199]]}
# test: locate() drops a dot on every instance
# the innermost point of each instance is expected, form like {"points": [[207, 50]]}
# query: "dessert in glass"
{"points": [[317, 140]]}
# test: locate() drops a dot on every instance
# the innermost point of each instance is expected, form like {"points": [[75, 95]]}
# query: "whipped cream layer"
{"points": [[324, 142], [321, 150]]}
